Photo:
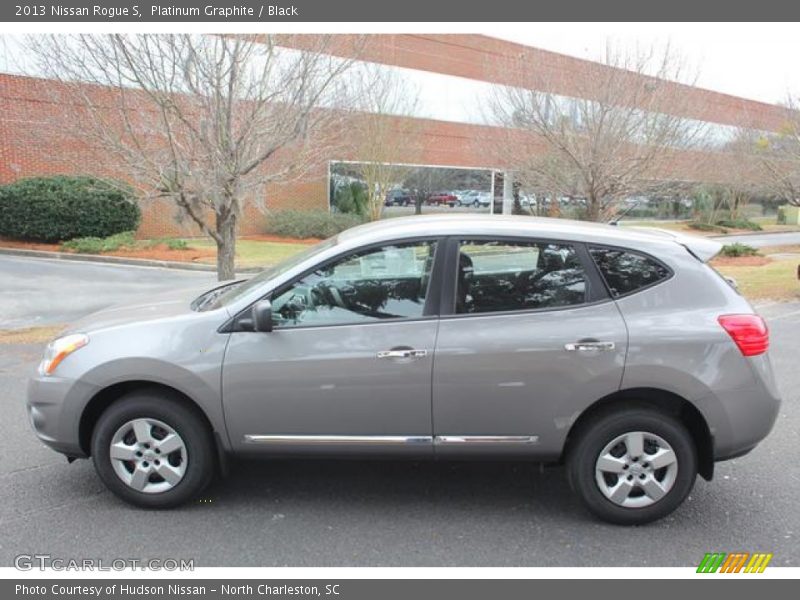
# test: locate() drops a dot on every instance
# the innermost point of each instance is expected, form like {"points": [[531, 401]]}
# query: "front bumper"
{"points": [[55, 406]]}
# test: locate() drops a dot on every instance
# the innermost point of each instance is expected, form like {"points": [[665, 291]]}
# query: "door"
{"points": [[348, 365], [532, 341]]}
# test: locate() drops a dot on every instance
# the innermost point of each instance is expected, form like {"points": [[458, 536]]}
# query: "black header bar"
{"points": [[342, 11]]}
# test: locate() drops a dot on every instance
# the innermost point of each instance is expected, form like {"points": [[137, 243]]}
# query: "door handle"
{"points": [[405, 353], [589, 346]]}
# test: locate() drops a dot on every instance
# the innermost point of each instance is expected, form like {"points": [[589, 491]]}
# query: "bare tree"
{"points": [[772, 159], [205, 121], [605, 133], [386, 138]]}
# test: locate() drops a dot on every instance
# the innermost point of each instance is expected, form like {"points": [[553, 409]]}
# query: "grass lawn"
{"points": [[252, 253], [775, 280], [30, 335], [768, 224]]}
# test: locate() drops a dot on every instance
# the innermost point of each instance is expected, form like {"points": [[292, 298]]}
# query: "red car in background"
{"points": [[442, 198]]}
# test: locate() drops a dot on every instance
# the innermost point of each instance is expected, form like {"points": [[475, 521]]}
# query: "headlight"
{"points": [[59, 349]]}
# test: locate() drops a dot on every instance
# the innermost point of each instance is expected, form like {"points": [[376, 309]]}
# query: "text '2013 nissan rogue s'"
{"points": [[618, 352]]}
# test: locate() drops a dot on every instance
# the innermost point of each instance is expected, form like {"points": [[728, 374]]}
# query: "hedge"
{"points": [[305, 224], [54, 209], [737, 249]]}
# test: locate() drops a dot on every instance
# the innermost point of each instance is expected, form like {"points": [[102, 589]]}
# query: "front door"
{"points": [[348, 364], [531, 343]]}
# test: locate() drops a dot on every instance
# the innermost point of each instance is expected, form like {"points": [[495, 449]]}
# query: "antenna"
{"points": [[615, 221]]}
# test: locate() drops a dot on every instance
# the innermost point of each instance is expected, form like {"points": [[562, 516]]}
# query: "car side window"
{"points": [[499, 276], [626, 271], [390, 282]]}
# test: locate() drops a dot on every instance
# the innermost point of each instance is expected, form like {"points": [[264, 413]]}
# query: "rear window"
{"points": [[626, 271], [502, 276]]}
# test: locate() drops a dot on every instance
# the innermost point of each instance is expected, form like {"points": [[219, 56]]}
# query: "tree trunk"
{"points": [[593, 210], [375, 206], [226, 246]]}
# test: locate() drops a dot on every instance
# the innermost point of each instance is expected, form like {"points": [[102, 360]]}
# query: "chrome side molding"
{"points": [[338, 439], [391, 439], [483, 439]]}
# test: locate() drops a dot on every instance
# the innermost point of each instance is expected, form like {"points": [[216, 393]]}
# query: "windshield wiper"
{"points": [[207, 300]]}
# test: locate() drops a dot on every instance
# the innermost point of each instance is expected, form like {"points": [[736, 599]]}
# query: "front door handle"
{"points": [[404, 353], [589, 346]]}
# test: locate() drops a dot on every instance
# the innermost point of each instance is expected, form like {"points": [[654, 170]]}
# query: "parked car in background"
{"points": [[619, 353], [476, 198], [442, 199], [399, 198]]}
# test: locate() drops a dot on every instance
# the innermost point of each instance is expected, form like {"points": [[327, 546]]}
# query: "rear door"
{"points": [[527, 340]]}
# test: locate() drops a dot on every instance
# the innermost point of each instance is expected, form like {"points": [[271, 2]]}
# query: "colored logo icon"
{"points": [[736, 562]]}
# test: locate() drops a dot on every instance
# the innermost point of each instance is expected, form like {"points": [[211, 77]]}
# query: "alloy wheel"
{"points": [[148, 455], [636, 469]]}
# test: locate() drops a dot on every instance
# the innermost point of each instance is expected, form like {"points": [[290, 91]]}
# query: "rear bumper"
{"points": [[742, 418]]}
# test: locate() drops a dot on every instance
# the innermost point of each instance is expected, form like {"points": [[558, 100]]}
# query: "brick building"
{"points": [[451, 71]]}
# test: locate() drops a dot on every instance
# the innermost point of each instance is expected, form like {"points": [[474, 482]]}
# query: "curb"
{"points": [[117, 260], [748, 233]]}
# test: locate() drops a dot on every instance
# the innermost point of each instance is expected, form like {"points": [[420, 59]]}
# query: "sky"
{"points": [[759, 61]]}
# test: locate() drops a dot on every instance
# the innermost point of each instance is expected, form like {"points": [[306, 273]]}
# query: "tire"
{"points": [[614, 489], [189, 468]]}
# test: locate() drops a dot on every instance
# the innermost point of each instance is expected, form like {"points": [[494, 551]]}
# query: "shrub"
{"points": [[53, 209], [309, 224], [96, 245], [176, 244], [171, 243], [352, 198], [700, 226], [738, 249], [739, 224]]}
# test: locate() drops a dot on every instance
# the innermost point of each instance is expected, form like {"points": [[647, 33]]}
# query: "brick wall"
{"points": [[35, 139], [498, 61]]}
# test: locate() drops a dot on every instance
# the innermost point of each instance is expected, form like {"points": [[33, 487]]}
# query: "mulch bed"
{"points": [[741, 261], [157, 252], [265, 237]]}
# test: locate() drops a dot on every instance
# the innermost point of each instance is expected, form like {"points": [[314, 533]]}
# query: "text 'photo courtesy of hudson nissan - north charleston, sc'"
{"points": [[620, 353]]}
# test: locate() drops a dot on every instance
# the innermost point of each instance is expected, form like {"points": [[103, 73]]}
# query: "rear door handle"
{"points": [[405, 353], [589, 346]]}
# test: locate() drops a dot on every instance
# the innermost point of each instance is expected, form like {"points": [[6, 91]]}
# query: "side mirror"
{"points": [[262, 316]]}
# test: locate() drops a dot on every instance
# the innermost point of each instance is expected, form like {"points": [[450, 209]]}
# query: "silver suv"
{"points": [[618, 352]]}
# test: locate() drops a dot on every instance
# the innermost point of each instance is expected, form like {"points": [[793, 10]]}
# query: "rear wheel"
{"points": [[633, 465], [153, 451]]}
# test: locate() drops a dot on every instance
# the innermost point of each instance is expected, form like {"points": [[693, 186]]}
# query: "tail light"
{"points": [[749, 332]]}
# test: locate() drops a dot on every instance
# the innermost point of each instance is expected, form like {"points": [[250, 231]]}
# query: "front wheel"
{"points": [[153, 451], [632, 466]]}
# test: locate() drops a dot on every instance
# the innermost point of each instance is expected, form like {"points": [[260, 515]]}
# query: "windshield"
{"points": [[228, 293]]}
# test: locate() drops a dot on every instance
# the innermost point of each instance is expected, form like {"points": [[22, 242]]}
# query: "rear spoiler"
{"points": [[702, 248]]}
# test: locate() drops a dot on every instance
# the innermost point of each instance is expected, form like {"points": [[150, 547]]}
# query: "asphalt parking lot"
{"points": [[63, 291], [293, 513]]}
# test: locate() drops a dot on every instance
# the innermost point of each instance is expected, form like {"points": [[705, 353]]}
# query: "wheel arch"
{"points": [[111, 394], [669, 402]]}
